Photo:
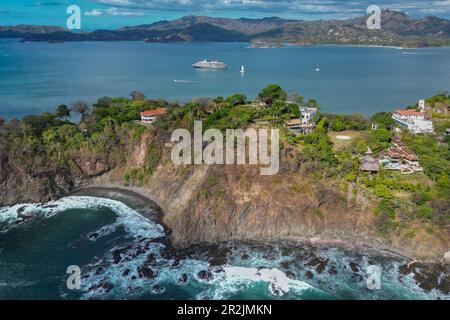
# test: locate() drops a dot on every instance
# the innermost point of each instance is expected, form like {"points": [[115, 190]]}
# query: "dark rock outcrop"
{"points": [[205, 275]]}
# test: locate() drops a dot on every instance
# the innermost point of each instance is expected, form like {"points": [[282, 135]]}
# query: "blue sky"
{"points": [[117, 13]]}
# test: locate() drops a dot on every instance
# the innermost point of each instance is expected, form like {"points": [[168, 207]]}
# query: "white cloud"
{"points": [[94, 13], [323, 7], [113, 11]]}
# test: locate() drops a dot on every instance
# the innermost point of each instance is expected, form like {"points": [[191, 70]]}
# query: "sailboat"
{"points": [[317, 69], [242, 69]]}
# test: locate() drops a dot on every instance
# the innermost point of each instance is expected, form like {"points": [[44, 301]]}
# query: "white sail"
{"points": [[242, 69]]}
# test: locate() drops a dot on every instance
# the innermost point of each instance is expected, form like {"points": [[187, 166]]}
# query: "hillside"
{"points": [[318, 195], [398, 29]]}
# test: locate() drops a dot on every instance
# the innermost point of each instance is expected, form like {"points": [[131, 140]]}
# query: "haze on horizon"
{"points": [[119, 13]]}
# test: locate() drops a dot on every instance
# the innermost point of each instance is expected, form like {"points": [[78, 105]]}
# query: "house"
{"points": [[305, 124], [294, 126], [150, 116], [368, 162], [400, 158], [415, 121], [307, 115]]}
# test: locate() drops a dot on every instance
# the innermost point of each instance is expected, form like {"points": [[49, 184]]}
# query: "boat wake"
{"points": [[186, 81]]}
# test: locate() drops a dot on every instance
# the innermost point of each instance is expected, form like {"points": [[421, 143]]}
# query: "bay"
{"points": [[36, 77]]}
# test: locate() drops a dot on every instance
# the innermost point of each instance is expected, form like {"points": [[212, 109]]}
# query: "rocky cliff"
{"points": [[216, 203], [36, 179], [205, 204]]}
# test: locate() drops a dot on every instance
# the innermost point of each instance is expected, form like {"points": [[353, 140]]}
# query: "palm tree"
{"points": [[62, 112], [277, 109]]}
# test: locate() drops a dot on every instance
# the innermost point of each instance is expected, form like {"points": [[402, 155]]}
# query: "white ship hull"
{"points": [[215, 65]]}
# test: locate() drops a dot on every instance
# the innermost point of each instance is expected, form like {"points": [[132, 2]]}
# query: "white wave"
{"points": [[279, 283], [237, 279], [134, 222]]}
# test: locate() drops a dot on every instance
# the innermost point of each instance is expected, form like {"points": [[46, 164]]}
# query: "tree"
{"points": [[443, 181], [62, 112], [337, 124], [295, 111], [137, 96], [277, 109], [197, 110], [383, 119], [272, 93], [35, 125], [218, 102], [312, 103], [236, 99], [382, 135], [296, 98], [203, 102], [80, 107]]}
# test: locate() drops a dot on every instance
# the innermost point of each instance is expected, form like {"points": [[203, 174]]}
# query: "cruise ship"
{"points": [[210, 65]]}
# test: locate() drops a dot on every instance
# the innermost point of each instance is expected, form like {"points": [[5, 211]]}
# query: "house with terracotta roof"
{"points": [[415, 121], [399, 157], [150, 116]]}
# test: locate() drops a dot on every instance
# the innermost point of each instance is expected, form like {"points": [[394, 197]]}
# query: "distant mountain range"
{"points": [[397, 29]]}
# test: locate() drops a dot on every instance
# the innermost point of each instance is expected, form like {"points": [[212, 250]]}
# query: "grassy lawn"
{"points": [[339, 144]]}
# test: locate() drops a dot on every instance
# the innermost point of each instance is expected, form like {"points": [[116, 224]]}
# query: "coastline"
{"points": [[248, 44], [356, 245]]}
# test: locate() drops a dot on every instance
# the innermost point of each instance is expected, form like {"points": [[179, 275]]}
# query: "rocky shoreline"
{"points": [[429, 276], [349, 243], [299, 259]]}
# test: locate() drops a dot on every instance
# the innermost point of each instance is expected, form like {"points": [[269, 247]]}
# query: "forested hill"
{"points": [[398, 29]]}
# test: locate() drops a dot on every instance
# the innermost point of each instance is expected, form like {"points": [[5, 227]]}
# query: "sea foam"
{"points": [[133, 222]]}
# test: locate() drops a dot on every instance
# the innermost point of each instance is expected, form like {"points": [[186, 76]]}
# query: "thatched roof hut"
{"points": [[368, 162]]}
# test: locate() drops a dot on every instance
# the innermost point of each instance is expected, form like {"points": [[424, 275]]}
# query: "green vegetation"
{"points": [[272, 93], [110, 126], [348, 122]]}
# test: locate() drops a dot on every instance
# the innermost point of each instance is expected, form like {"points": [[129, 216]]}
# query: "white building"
{"points": [[414, 121], [150, 116], [307, 115], [421, 126], [422, 105], [305, 124], [408, 115]]}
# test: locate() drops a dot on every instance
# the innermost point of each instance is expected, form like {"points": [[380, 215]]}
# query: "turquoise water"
{"points": [[110, 241], [37, 77]]}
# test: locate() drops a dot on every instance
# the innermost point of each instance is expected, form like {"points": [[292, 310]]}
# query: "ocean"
{"points": [[37, 77], [123, 252], [118, 242]]}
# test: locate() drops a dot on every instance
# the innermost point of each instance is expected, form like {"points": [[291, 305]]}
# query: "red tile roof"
{"points": [[155, 112], [401, 153], [409, 113]]}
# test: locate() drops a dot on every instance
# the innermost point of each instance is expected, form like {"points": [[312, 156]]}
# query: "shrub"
{"points": [[383, 191]]}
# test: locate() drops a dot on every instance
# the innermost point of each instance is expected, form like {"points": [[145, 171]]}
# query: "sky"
{"points": [[110, 14]]}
